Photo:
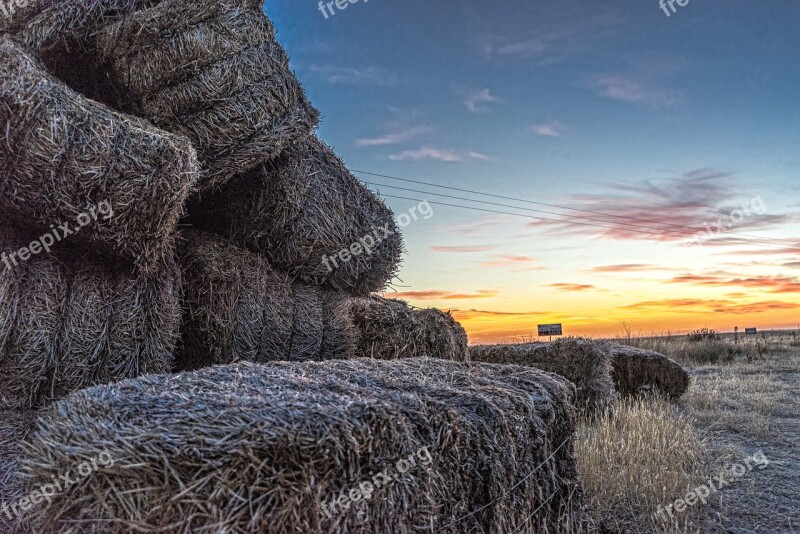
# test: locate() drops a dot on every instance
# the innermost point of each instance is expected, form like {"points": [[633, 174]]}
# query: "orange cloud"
{"points": [[628, 268], [572, 287], [439, 294], [774, 284], [507, 260], [716, 306]]}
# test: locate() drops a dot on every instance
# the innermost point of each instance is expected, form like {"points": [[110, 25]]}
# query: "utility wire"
{"points": [[604, 214]]}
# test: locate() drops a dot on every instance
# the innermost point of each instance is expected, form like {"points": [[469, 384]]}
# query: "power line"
{"points": [[604, 214]]}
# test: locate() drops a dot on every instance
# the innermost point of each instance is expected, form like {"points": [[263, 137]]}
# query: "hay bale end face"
{"points": [[216, 75], [389, 329], [490, 446], [69, 323], [579, 360], [310, 216], [237, 307], [116, 182], [639, 371]]}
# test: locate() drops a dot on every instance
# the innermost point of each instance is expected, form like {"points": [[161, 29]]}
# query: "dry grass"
{"points": [[633, 458]]}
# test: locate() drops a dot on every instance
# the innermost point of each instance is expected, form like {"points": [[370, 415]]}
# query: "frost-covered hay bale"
{"points": [[239, 308], [214, 72], [76, 171], [639, 370], [310, 216], [69, 323], [282, 447], [389, 329], [581, 361]]}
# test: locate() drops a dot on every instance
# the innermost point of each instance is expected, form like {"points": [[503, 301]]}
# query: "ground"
{"points": [[746, 402]]}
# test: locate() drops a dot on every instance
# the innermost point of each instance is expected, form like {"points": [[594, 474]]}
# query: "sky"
{"points": [[662, 153]]}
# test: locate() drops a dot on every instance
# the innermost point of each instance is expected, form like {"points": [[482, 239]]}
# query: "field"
{"points": [[732, 440]]}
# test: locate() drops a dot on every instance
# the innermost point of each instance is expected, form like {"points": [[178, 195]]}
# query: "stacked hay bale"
{"points": [[214, 73], [390, 329], [308, 215], [579, 360], [639, 371], [89, 204], [432, 444], [239, 308]]}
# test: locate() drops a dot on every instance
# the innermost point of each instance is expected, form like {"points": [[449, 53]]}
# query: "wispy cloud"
{"points": [[549, 129], [476, 100], [462, 315], [703, 306], [629, 268], [356, 76], [438, 154], [440, 294], [393, 138], [464, 249], [628, 89], [521, 262], [571, 287], [772, 284]]}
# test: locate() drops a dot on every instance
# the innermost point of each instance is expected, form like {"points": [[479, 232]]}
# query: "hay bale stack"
{"points": [[389, 329], [239, 308], [300, 211], [116, 182], [270, 447], [213, 72], [638, 371], [68, 323], [579, 360]]}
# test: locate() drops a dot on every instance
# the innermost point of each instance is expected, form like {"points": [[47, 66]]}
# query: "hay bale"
{"points": [[116, 182], [217, 76], [270, 447], [69, 323], [15, 426], [639, 371], [389, 329], [239, 308], [581, 361], [300, 211]]}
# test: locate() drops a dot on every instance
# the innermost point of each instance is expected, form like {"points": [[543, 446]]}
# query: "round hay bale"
{"points": [[308, 215], [279, 447], [581, 361], [389, 329], [219, 77], [239, 308], [15, 426], [68, 323], [637, 371], [73, 170]]}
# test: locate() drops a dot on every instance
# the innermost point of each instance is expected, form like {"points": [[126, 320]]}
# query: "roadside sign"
{"points": [[751, 331], [550, 330]]}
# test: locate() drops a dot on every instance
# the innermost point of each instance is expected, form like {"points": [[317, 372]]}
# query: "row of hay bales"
{"points": [[600, 370]]}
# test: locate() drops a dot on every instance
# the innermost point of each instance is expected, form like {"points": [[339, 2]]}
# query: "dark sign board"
{"points": [[751, 331], [550, 330]]}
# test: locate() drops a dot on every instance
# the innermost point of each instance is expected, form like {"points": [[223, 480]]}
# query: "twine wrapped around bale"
{"points": [[389, 329], [639, 371], [72, 322], [75, 170], [581, 361], [216, 75], [239, 308], [280, 447], [301, 211]]}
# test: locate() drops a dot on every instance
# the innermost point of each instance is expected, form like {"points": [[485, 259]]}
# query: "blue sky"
{"points": [[607, 106]]}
